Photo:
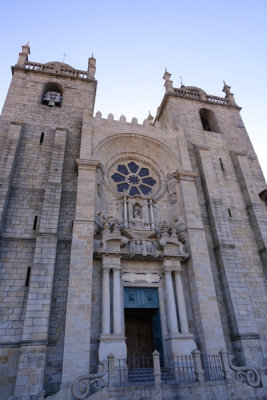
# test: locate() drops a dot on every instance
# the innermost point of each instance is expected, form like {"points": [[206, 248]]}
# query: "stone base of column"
{"points": [[114, 344], [182, 344]]}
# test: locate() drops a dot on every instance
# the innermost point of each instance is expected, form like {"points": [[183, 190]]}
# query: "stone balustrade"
{"points": [[142, 246], [204, 97], [61, 70]]}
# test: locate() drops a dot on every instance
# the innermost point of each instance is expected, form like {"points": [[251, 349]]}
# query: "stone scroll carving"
{"points": [[85, 385], [250, 375]]}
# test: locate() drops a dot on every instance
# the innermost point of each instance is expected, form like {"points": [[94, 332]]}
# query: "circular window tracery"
{"points": [[133, 179]]}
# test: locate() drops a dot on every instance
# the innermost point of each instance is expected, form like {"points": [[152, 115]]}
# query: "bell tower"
{"points": [[40, 128]]}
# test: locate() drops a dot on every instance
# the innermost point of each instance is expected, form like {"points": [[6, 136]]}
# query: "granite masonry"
{"points": [[133, 256]]}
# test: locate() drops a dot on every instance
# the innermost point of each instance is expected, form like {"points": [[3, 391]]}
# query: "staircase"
{"points": [[137, 376]]}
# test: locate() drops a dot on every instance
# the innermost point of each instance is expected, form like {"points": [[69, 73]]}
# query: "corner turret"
{"points": [[23, 56]]}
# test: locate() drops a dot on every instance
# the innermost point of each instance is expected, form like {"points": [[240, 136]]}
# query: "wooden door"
{"points": [[138, 331]]}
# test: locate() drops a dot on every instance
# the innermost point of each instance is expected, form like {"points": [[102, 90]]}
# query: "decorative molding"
{"points": [[85, 385], [251, 375], [87, 164], [245, 336]]}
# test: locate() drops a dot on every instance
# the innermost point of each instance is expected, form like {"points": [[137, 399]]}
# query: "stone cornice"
{"points": [[183, 175], [87, 164]]}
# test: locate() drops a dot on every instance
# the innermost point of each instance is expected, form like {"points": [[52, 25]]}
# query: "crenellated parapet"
{"points": [[122, 122]]}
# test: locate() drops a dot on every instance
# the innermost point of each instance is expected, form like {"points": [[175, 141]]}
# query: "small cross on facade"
{"points": [[251, 158], [240, 126]]}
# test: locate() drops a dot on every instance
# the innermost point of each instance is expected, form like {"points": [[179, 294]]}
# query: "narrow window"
{"points": [[229, 212], [35, 222], [42, 138], [222, 167], [28, 277]]}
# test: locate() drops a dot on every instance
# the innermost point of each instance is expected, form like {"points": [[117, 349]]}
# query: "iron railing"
{"points": [[178, 369], [212, 365], [133, 371]]}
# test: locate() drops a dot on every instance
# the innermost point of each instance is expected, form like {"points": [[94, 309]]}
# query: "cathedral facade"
{"points": [[129, 248]]}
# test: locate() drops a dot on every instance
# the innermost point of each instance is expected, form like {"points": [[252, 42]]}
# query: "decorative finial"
{"points": [[226, 88], [150, 117], [64, 55], [181, 80], [168, 82], [28, 43], [228, 95]]}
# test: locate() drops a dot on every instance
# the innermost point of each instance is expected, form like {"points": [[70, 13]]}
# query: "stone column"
{"points": [[117, 325], [105, 302], [112, 342], [125, 212], [180, 300], [151, 213], [171, 308], [179, 343]]}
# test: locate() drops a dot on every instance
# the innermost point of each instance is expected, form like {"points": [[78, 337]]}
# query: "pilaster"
{"points": [[76, 356], [244, 331], [8, 163], [36, 323], [256, 209], [204, 302]]}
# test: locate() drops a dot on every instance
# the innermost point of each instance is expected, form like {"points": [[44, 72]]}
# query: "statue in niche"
{"points": [[137, 211]]}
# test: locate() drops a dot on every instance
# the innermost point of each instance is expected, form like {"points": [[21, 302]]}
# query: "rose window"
{"points": [[133, 179]]}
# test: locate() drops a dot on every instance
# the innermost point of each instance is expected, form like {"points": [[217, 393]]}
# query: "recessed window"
{"points": [[42, 138], [52, 95], [221, 164], [229, 213], [28, 277], [208, 120], [35, 222]]}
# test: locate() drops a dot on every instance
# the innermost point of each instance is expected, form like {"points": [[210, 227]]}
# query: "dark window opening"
{"points": [[208, 120], [52, 95], [229, 212], [205, 124], [42, 138], [28, 277], [35, 222], [221, 163]]}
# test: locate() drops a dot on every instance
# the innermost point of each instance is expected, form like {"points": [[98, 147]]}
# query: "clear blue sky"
{"points": [[205, 42]]}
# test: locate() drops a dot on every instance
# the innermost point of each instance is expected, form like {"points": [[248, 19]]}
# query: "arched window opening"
{"points": [[52, 95], [27, 281], [208, 120]]}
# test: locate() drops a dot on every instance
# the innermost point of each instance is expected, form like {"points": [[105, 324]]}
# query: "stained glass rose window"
{"points": [[133, 179]]}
